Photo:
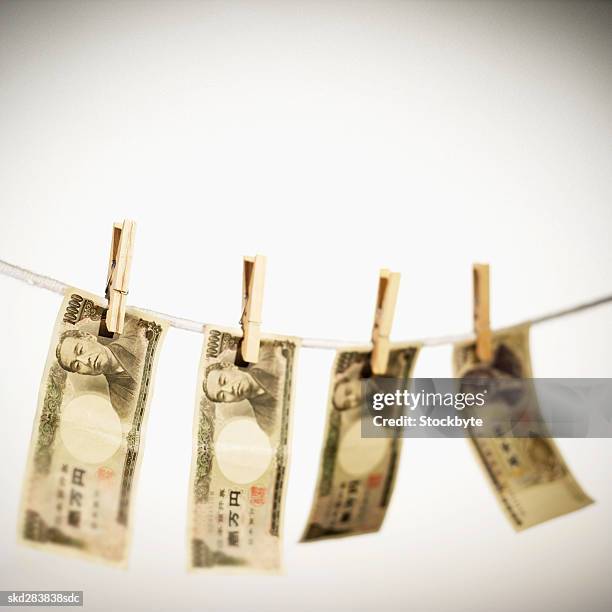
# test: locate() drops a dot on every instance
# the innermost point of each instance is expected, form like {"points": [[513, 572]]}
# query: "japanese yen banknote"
{"points": [[88, 432], [242, 427], [530, 478], [356, 474]]}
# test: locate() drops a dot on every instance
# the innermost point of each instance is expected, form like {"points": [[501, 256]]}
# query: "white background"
{"points": [[336, 138]]}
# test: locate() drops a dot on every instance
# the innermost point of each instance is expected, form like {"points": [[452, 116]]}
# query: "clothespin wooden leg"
{"points": [[119, 265], [253, 278], [388, 288], [482, 326]]}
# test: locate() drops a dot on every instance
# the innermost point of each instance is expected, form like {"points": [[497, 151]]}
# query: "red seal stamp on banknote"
{"points": [[258, 496], [105, 473], [374, 480]]}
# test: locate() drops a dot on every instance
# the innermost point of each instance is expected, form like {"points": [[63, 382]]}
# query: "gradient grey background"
{"points": [[336, 138]]}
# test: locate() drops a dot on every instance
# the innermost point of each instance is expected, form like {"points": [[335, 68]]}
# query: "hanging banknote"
{"points": [[531, 480], [242, 427], [87, 437], [356, 474]]}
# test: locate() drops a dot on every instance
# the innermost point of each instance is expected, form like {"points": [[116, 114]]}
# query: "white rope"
{"points": [[45, 282]]}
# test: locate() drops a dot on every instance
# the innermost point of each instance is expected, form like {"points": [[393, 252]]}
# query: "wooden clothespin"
{"points": [[119, 274], [482, 325], [388, 288], [253, 277]]}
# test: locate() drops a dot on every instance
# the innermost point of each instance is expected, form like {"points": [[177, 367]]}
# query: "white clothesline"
{"points": [[51, 284]]}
